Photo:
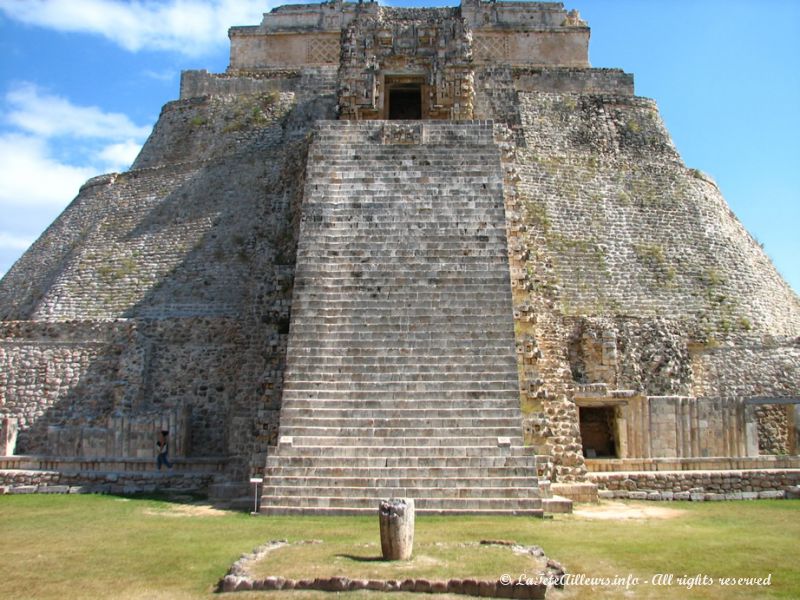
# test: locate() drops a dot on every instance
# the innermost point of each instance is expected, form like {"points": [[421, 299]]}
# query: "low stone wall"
{"points": [[711, 463], [697, 485], [19, 481]]}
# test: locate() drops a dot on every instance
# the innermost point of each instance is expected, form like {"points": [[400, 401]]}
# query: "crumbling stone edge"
{"points": [[238, 578]]}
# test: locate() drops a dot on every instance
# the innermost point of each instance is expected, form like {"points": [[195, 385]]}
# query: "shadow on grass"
{"points": [[365, 559], [170, 497]]}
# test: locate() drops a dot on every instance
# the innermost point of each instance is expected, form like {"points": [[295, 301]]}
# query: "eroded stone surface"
{"points": [[164, 294]]}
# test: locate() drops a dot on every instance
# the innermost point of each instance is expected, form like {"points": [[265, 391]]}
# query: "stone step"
{"points": [[303, 384], [418, 395], [421, 504], [424, 330], [427, 238], [339, 168], [401, 477], [379, 465], [332, 296], [493, 348], [412, 358], [401, 373], [422, 304], [274, 509], [333, 314], [557, 505], [392, 372], [328, 272], [350, 406], [400, 421], [396, 435], [291, 414], [327, 488], [397, 211], [347, 452], [354, 369], [414, 365]]}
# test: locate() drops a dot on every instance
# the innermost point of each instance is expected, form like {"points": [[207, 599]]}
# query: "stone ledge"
{"points": [[577, 492]]}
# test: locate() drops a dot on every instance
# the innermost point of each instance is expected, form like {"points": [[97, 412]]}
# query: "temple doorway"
{"points": [[598, 424], [404, 98]]}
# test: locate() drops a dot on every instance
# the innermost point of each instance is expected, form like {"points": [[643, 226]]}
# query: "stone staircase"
{"points": [[401, 376]]}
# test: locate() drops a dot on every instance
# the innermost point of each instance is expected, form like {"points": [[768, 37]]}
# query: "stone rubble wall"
{"points": [[190, 231], [56, 482], [573, 80], [772, 368], [760, 369], [604, 221], [307, 83], [629, 230], [775, 430], [697, 485], [82, 374], [170, 285]]}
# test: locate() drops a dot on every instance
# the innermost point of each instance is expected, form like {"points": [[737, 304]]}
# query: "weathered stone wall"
{"points": [[629, 230], [751, 367], [52, 373], [628, 268], [573, 80], [170, 285], [200, 226], [83, 374], [511, 33], [309, 85], [697, 485], [20, 481], [774, 429]]}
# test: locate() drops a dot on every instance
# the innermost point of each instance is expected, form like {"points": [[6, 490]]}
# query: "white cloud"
{"points": [[46, 115], [30, 176], [163, 75], [31, 173], [118, 157], [190, 27], [14, 242]]}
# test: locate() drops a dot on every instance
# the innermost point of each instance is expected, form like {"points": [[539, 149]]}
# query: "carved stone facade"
{"points": [[432, 52]]}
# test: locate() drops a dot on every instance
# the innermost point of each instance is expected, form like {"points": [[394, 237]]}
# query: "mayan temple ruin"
{"points": [[424, 253]]}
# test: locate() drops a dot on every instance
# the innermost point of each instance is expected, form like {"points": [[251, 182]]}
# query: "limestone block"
{"points": [[771, 495]]}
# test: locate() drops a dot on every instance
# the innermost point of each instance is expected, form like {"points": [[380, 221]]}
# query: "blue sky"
{"points": [[82, 83]]}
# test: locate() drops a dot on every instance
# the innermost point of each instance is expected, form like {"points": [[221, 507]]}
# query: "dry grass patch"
{"points": [[621, 511]]}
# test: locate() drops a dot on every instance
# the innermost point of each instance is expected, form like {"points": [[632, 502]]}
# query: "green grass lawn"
{"points": [[431, 560], [111, 547]]}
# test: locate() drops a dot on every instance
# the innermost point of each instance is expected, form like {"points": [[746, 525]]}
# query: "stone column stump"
{"points": [[397, 528]]}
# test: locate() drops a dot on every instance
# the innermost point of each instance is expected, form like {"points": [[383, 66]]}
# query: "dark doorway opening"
{"points": [[598, 424], [405, 102]]}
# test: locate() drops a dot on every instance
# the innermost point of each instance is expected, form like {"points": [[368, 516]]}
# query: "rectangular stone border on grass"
{"points": [[239, 580]]}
